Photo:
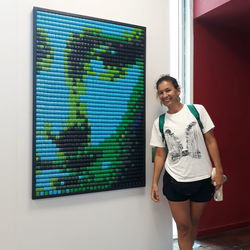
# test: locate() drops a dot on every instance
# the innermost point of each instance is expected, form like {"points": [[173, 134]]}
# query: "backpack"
{"points": [[192, 109], [195, 113]]}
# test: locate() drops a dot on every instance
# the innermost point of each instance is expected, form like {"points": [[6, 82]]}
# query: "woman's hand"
{"points": [[155, 193], [218, 180], [213, 150], [160, 156]]}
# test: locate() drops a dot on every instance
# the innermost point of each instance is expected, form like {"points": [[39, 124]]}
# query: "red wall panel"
{"points": [[222, 85]]}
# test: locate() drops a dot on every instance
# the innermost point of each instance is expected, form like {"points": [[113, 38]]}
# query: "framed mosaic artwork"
{"points": [[88, 104]]}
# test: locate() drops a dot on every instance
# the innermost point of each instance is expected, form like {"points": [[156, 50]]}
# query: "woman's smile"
{"points": [[167, 93]]}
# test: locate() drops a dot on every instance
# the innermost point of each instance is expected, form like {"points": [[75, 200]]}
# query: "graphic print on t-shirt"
{"points": [[175, 147]]}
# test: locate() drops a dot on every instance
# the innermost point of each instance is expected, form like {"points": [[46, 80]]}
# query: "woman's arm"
{"points": [[160, 156], [213, 150]]}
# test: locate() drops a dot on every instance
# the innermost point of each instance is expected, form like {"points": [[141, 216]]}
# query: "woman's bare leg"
{"points": [[196, 212], [181, 212]]}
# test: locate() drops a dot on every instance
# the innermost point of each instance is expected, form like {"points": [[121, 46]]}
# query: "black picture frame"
{"points": [[88, 104]]}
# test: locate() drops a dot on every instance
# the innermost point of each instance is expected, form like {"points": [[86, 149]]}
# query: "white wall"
{"points": [[114, 220]]}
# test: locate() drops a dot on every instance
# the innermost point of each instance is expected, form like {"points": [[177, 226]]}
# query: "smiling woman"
{"points": [[189, 142], [168, 91]]}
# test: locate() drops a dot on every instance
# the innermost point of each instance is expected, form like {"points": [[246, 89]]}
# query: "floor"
{"points": [[238, 239]]}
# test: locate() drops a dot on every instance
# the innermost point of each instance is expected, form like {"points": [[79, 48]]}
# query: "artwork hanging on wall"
{"points": [[88, 104]]}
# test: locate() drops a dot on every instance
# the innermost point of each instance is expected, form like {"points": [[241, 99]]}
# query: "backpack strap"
{"points": [[161, 125], [192, 109], [196, 114]]}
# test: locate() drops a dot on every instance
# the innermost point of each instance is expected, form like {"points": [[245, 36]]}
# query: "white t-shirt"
{"points": [[188, 158]]}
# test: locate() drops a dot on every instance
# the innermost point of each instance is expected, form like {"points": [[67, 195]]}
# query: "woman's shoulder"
{"points": [[199, 107], [156, 121]]}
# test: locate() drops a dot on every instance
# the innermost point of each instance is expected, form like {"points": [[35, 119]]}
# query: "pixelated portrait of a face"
{"points": [[89, 78]]}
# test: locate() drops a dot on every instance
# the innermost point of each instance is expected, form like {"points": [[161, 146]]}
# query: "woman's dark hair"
{"points": [[168, 78]]}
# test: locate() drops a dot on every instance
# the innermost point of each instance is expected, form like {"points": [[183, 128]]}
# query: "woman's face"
{"points": [[168, 94]]}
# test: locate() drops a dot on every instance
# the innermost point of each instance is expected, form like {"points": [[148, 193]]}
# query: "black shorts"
{"points": [[196, 191]]}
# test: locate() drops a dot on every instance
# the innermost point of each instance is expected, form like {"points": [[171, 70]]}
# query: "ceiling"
{"points": [[233, 14]]}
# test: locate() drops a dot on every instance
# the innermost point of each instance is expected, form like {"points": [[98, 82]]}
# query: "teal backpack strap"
{"points": [[196, 114], [161, 125]]}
